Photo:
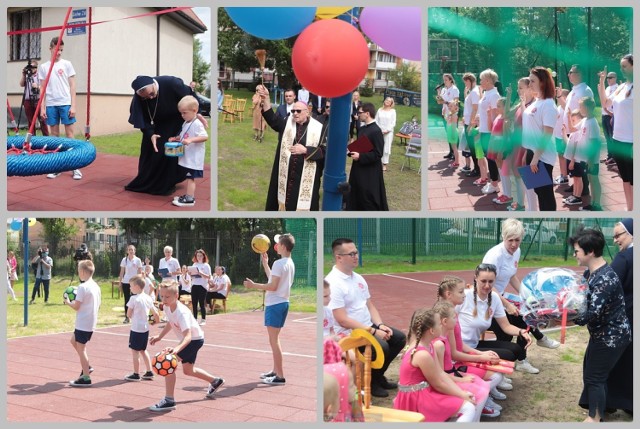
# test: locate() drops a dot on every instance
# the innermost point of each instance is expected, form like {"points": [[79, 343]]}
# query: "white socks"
{"points": [[467, 413], [495, 379]]}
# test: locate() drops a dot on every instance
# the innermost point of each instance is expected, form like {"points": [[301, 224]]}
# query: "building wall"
{"points": [[120, 51]]}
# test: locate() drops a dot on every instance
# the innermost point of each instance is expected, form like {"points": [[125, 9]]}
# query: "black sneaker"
{"points": [[378, 391], [81, 382], [184, 201], [386, 384], [449, 156], [573, 200], [267, 374], [148, 375], [465, 168], [214, 386], [472, 173], [164, 405], [133, 377], [275, 380], [82, 371]]}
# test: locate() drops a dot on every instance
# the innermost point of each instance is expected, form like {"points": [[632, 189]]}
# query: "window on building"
{"points": [[381, 75], [385, 57], [27, 45]]}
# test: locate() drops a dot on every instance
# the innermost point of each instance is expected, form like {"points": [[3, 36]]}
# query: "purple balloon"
{"points": [[396, 29]]}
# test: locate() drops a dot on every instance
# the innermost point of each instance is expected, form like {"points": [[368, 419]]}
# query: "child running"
{"points": [[86, 305], [423, 386], [138, 311], [191, 338]]}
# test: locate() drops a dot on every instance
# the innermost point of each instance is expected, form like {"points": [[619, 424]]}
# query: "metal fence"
{"points": [[442, 237], [224, 248]]}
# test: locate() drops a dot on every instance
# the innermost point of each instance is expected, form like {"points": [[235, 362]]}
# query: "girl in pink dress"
{"points": [[348, 409], [451, 289], [423, 386], [472, 383]]}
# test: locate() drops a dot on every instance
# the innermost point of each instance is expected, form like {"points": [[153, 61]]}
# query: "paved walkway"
{"points": [[101, 188], [39, 368], [449, 189]]}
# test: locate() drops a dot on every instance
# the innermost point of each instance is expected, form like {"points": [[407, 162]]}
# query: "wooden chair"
{"points": [[224, 302], [360, 338], [228, 110], [241, 104], [413, 151]]}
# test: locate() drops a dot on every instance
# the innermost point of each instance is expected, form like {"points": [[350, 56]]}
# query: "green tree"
{"points": [[201, 68], [236, 50], [406, 77], [56, 231]]}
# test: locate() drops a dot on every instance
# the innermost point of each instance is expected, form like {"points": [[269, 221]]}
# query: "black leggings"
{"points": [[472, 148], [505, 349], [390, 349], [494, 174], [198, 295], [546, 197], [520, 323], [126, 292]]}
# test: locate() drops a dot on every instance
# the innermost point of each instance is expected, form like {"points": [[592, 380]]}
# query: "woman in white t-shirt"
{"points": [[472, 94], [449, 96], [130, 266], [487, 112], [200, 275], [480, 305], [621, 104], [538, 122]]}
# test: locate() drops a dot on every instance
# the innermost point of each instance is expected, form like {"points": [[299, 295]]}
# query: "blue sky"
{"points": [[204, 13]]}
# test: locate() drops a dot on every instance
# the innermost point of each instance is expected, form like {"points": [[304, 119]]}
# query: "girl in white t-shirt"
{"points": [[480, 305], [591, 143], [538, 122]]}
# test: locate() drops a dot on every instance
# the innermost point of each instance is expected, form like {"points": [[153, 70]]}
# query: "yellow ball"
{"points": [[260, 243]]}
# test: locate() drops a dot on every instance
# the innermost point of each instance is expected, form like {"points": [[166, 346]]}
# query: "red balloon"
{"points": [[330, 58]]}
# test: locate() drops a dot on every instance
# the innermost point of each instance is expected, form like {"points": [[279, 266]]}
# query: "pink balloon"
{"points": [[396, 29], [330, 58]]}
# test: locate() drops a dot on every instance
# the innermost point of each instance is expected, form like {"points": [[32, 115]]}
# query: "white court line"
{"points": [[221, 346], [306, 320], [409, 278]]}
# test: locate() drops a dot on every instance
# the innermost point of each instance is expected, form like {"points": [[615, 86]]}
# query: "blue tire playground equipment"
{"points": [[47, 155]]}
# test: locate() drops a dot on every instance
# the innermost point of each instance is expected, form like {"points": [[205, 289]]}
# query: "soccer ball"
{"points": [[260, 243], [70, 293], [164, 363]]}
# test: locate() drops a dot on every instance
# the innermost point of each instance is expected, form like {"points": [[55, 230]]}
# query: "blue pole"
{"points": [[336, 157], [26, 267]]}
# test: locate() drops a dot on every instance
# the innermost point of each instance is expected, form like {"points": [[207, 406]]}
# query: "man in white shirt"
{"points": [[352, 308]]}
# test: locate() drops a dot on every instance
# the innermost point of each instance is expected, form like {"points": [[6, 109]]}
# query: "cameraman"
{"points": [[31, 84], [43, 274]]}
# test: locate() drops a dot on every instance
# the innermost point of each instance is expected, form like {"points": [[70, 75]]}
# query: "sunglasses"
{"points": [[297, 111], [487, 267]]}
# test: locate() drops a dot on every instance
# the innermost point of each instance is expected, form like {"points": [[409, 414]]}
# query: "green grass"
{"points": [[128, 144], [244, 166], [379, 264], [56, 317], [571, 358]]}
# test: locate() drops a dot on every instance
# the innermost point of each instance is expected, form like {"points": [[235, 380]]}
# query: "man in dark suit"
{"points": [[284, 110], [316, 103]]}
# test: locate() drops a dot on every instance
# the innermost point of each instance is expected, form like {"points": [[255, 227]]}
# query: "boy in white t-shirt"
{"points": [[191, 339], [576, 161], [592, 144], [86, 305], [138, 309], [276, 301], [193, 136]]}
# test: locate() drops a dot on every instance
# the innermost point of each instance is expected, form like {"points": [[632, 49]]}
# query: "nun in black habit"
{"points": [[154, 110]]}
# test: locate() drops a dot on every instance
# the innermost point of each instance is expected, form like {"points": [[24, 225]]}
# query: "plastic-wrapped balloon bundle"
{"points": [[546, 292]]}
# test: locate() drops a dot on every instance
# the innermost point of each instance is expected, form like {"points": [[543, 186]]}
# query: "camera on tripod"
{"points": [[82, 253], [30, 69]]}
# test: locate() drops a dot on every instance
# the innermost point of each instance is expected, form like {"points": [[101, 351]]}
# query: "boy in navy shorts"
{"points": [[86, 305], [191, 337], [193, 136], [137, 312], [276, 301]]}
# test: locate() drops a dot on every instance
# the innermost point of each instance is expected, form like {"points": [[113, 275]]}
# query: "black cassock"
{"points": [[366, 179], [157, 173], [296, 162]]}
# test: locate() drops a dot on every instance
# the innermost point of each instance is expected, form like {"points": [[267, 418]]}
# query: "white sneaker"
{"points": [[548, 343], [507, 379], [496, 394], [560, 180], [492, 404], [525, 366], [490, 189], [77, 175], [505, 385], [52, 175], [202, 322]]}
